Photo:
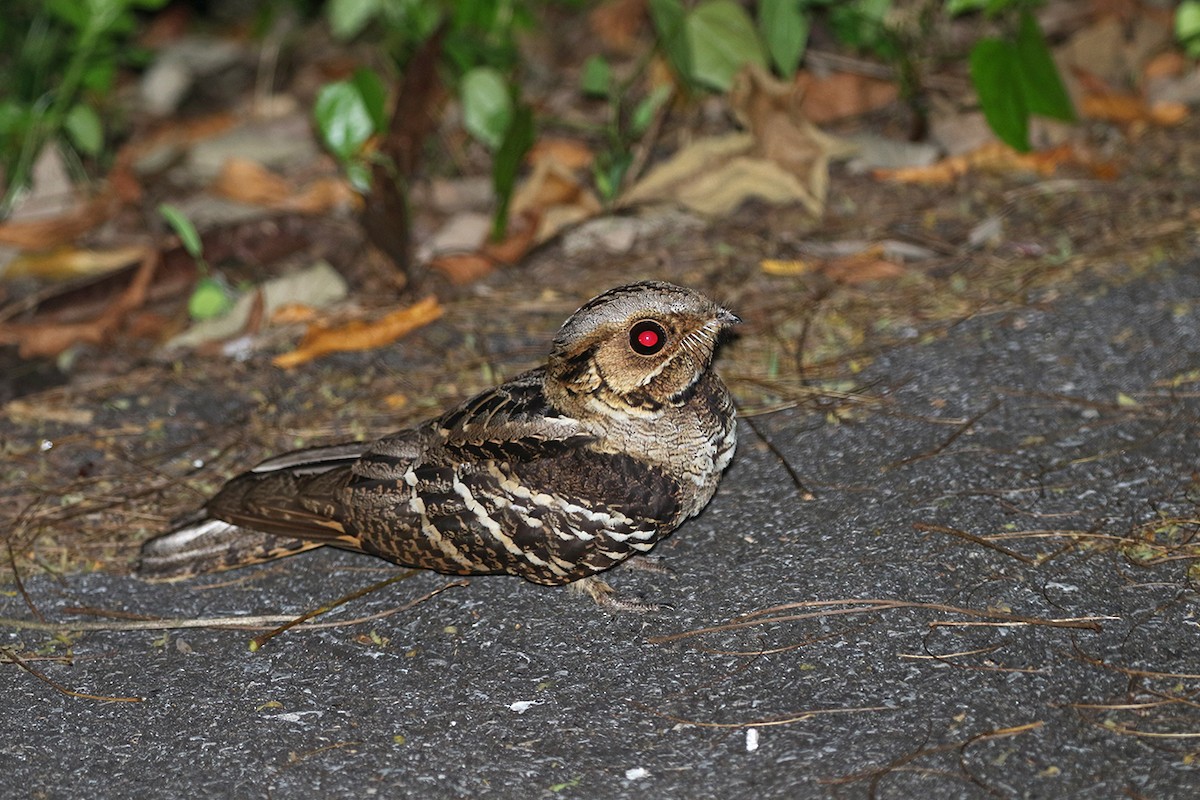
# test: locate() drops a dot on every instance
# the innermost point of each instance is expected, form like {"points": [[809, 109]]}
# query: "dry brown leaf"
{"points": [[322, 195], [293, 312], [71, 262], [44, 234], [995, 157], [50, 338], [771, 110], [360, 335], [462, 268], [246, 181], [861, 268], [570, 153], [842, 94], [549, 189], [617, 22], [522, 235], [1169, 64]]}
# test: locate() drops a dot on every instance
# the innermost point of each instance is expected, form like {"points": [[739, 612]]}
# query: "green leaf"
{"points": [[1041, 86], [993, 64], [183, 228], [71, 12], [721, 39], [347, 18], [487, 106], [955, 8], [1187, 26], [209, 299], [597, 77], [609, 170], [668, 17], [784, 27], [507, 163], [374, 96], [83, 126], [643, 112], [343, 119]]}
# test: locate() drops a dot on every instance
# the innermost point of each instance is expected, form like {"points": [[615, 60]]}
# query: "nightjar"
{"points": [[553, 476]]}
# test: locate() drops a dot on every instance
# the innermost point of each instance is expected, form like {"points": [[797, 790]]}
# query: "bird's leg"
{"points": [[607, 597]]}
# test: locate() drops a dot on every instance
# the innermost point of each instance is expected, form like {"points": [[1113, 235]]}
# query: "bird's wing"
{"points": [[512, 422]]}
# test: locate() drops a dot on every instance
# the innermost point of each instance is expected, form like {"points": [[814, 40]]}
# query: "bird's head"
{"points": [[641, 345]]}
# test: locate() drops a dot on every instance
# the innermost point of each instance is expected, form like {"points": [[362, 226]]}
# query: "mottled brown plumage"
{"points": [[554, 476]]}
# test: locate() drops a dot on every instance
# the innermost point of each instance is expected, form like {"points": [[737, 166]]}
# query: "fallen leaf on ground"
{"points": [[842, 94], [555, 197], [462, 268], [851, 270], [360, 335], [1126, 109], [862, 268], [249, 182], [714, 175], [617, 22], [51, 338], [997, 157], [521, 236], [44, 234], [570, 153], [71, 262], [783, 159]]}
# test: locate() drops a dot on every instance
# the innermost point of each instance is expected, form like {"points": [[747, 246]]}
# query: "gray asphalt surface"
{"points": [[504, 689]]}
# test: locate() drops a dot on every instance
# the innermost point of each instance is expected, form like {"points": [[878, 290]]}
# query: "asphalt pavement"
{"points": [[986, 587]]}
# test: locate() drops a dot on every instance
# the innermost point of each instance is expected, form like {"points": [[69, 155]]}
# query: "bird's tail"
{"points": [[283, 506], [200, 544]]}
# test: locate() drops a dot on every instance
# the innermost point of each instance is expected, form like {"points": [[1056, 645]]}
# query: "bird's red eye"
{"points": [[647, 337]]}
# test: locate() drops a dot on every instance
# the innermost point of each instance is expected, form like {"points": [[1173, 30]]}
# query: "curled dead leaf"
{"points": [[246, 181], [360, 335], [462, 268]]}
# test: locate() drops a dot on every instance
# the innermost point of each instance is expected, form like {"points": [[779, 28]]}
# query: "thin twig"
{"points": [[979, 540], [13, 658]]}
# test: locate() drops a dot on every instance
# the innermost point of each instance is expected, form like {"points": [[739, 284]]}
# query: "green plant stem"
{"points": [[46, 125]]}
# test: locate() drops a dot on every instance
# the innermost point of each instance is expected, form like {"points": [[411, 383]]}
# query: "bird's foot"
{"points": [[607, 597]]}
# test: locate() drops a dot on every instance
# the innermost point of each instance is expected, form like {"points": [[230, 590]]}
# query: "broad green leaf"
{"points": [[993, 65], [597, 77], [721, 39], [347, 18], [487, 106], [83, 126], [784, 27], [374, 96], [518, 138], [669, 17], [1041, 86], [209, 299], [343, 119], [183, 228]]}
